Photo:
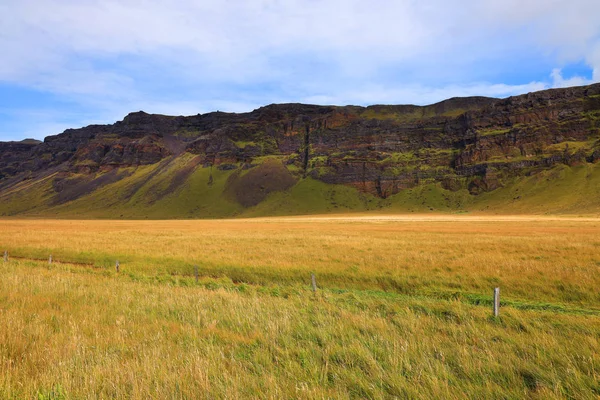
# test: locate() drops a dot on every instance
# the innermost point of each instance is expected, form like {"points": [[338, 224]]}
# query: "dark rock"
{"points": [[475, 143], [227, 167]]}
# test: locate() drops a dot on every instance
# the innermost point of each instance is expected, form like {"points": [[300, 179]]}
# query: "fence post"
{"points": [[50, 260], [496, 301], [117, 265], [5, 255], [314, 283], [196, 272]]}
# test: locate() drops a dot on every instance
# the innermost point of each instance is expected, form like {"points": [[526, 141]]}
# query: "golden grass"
{"points": [[73, 333], [402, 309], [531, 258]]}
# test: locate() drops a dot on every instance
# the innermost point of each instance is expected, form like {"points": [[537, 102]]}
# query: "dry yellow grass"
{"points": [[535, 258], [72, 333], [402, 310]]}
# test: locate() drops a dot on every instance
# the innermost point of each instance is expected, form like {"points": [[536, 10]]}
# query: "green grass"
{"points": [[454, 113], [429, 197], [570, 146], [194, 198], [310, 196], [178, 188], [569, 190], [27, 196], [242, 144], [410, 114], [401, 158], [492, 132]]}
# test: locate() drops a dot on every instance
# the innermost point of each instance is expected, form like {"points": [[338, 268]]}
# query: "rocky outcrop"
{"points": [[474, 143], [12, 155]]}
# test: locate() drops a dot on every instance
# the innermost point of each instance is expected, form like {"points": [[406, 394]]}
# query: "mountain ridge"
{"points": [[373, 157]]}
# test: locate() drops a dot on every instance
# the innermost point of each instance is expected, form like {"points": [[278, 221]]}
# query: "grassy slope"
{"points": [[153, 199], [561, 190], [149, 193], [310, 196], [27, 196], [570, 190]]}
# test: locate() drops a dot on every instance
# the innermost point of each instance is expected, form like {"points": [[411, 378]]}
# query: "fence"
{"points": [[313, 278]]}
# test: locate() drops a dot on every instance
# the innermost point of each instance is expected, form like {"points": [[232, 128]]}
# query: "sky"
{"points": [[71, 63]]}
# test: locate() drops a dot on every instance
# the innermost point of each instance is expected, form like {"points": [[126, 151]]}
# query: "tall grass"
{"points": [[537, 259], [72, 332], [402, 311]]}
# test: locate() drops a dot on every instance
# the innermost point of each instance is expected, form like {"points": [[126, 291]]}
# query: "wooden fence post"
{"points": [[50, 260], [496, 301], [196, 272], [314, 283], [117, 265], [5, 255]]}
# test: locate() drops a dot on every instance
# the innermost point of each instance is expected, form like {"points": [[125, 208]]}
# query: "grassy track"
{"points": [[403, 309]]}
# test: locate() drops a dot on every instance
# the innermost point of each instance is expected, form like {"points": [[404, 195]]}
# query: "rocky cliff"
{"points": [[474, 144]]}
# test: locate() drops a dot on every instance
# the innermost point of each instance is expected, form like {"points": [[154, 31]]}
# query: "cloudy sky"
{"points": [[70, 63]]}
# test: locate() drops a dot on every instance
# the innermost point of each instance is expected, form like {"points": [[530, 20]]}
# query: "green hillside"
{"points": [[179, 188]]}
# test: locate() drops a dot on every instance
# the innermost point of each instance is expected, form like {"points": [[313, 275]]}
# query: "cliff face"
{"points": [[13, 155], [477, 143]]}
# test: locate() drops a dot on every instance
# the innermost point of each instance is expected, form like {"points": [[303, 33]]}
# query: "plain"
{"points": [[402, 308]]}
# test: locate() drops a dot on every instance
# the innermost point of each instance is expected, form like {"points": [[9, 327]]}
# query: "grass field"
{"points": [[403, 308]]}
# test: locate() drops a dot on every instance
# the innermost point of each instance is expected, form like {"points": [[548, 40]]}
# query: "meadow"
{"points": [[402, 310]]}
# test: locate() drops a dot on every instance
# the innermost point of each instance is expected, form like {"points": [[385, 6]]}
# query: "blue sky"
{"points": [[70, 63]]}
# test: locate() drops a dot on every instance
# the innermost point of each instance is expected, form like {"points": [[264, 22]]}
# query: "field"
{"points": [[403, 308]]}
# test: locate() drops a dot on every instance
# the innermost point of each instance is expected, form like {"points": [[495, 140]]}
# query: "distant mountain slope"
{"points": [[532, 153]]}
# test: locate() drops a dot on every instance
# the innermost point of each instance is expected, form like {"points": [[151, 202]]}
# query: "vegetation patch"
{"points": [[256, 184], [492, 132], [76, 187]]}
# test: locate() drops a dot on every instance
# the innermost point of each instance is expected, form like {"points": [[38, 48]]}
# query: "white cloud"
{"points": [[238, 39], [593, 59], [558, 81], [116, 56], [422, 95]]}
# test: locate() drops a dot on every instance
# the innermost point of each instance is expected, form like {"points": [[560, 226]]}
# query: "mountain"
{"points": [[534, 153]]}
